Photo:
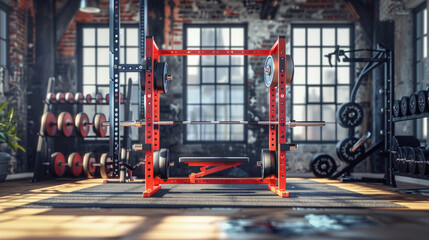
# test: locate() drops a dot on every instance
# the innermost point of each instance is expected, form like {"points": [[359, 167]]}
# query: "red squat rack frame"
{"points": [[275, 184]]}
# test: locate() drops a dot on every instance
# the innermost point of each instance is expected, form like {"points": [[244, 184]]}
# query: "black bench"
{"points": [[215, 159]]}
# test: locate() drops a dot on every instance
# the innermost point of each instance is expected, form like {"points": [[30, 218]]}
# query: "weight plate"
{"points": [[98, 127], [60, 98], [51, 98], [323, 165], [78, 97], [405, 110], [106, 168], [69, 97], [107, 98], [155, 163], [411, 158], [164, 163], [74, 162], [403, 166], [160, 77], [65, 123], [421, 158], [57, 164], [396, 108], [413, 104], [99, 98], [290, 70], [270, 71], [88, 164], [421, 101], [343, 149], [81, 123], [269, 163], [350, 115], [88, 98], [49, 124]]}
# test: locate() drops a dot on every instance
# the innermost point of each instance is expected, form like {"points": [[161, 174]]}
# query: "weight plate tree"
{"points": [[350, 115], [344, 147], [323, 165]]}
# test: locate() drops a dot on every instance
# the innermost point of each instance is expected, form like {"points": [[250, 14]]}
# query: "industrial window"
{"points": [[214, 86], [420, 41], [93, 42], [318, 89], [3, 36]]}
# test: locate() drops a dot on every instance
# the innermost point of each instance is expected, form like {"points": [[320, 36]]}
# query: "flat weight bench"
{"points": [[217, 163]]}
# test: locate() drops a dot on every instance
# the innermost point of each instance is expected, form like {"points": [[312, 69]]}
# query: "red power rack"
{"points": [[277, 182]]}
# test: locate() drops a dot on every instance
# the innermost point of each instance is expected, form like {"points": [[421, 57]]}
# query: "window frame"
{"points": [[418, 123], [5, 8], [80, 84], [245, 79], [321, 26]]}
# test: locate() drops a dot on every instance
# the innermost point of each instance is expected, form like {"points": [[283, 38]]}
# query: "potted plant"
{"points": [[8, 135]]}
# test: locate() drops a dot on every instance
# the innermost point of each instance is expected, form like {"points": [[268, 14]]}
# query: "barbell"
{"points": [[291, 123]]}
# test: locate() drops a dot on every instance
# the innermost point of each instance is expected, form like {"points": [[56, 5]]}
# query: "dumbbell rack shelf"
{"points": [[410, 117]]}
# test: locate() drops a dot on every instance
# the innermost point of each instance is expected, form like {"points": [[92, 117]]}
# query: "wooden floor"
{"points": [[22, 218]]}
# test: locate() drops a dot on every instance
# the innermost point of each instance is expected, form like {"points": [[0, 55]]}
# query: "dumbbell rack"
{"points": [[385, 57], [395, 154], [43, 144]]}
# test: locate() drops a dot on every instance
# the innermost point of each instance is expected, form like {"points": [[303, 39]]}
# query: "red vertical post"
{"points": [[149, 135], [272, 131], [281, 59]]}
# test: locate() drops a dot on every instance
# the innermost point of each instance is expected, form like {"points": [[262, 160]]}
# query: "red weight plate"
{"points": [[81, 121], [78, 97], [99, 98], [49, 123], [88, 98], [75, 163], [51, 98], [107, 98], [60, 97], [88, 164], [121, 98], [98, 128], [69, 97], [57, 164], [65, 123], [106, 166]]}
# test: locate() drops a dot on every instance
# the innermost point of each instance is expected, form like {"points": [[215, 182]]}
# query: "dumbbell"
{"points": [[405, 109], [93, 166], [99, 98], [57, 164], [82, 124], [49, 124], [65, 124], [67, 97], [121, 98]]}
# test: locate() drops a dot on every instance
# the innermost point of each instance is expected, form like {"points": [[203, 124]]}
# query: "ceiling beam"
{"points": [[366, 16], [64, 17]]}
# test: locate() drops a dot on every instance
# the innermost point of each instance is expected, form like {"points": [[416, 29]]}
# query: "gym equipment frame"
{"points": [[278, 78]]}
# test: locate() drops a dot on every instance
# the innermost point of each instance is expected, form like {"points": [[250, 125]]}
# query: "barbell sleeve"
{"points": [[361, 141], [291, 124]]}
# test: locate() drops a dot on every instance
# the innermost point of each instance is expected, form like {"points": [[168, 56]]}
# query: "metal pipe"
{"points": [[361, 141], [291, 124]]}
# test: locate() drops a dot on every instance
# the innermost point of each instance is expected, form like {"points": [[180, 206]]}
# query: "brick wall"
{"points": [[15, 87]]}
